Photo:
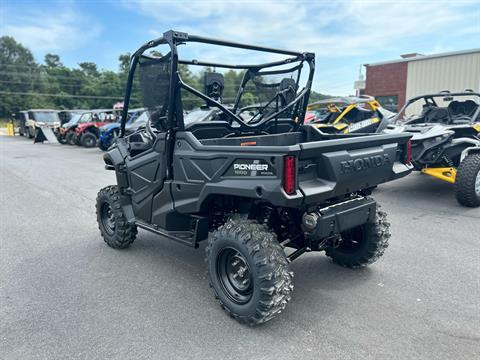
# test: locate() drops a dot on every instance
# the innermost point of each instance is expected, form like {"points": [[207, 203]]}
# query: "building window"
{"points": [[389, 102]]}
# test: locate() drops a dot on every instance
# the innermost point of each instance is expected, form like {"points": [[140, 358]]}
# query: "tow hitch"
{"points": [[332, 220]]}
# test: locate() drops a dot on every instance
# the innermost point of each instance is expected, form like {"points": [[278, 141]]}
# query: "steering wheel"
{"points": [[157, 118]]}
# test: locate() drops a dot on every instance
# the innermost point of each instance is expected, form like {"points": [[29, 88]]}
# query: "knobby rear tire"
{"points": [[267, 263], [363, 245]]}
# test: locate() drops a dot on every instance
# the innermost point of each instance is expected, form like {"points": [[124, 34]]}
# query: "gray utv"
{"points": [[259, 186]]}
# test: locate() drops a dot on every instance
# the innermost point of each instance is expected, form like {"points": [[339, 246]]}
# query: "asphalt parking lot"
{"points": [[65, 294]]}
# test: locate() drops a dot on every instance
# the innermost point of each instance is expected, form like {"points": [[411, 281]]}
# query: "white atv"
{"points": [[446, 139]]}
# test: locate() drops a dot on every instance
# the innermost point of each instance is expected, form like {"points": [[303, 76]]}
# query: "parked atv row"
{"points": [[74, 127], [84, 127]]}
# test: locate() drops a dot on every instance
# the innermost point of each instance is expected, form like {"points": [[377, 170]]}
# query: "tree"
{"points": [[89, 68], [52, 61], [315, 96], [232, 83], [18, 74], [24, 84], [12, 52], [124, 60]]}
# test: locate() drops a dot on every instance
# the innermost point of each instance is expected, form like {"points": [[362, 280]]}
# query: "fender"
{"points": [[471, 149], [468, 151]]}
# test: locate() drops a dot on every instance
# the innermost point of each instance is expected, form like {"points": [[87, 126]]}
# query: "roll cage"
{"points": [[429, 100], [173, 109]]}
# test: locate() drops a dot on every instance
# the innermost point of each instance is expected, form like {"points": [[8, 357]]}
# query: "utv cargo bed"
{"points": [[327, 166]]}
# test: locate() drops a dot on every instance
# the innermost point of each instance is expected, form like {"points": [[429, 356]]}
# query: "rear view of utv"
{"points": [[260, 192], [446, 139]]}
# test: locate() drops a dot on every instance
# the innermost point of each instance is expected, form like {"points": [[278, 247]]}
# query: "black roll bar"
{"points": [[436, 95], [206, 40], [228, 66], [172, 38]]}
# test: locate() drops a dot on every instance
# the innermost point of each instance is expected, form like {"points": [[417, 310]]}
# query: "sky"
{"points": [[342, 34]]}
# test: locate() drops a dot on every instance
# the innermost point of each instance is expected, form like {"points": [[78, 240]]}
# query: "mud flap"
{"points": [[45, 134]]}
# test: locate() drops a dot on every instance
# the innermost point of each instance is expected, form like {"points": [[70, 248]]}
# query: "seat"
{"points": [[210, 129], [138, 143], [455, 108], [358, 114], [288, 89], [470, 107], [436, 115]]}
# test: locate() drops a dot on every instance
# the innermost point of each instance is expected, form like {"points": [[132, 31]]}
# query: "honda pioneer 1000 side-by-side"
{"points": [[260, 192]]}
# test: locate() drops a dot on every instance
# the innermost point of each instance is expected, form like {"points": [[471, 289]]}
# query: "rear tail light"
{"points": [[289, 172], [408, 152]]}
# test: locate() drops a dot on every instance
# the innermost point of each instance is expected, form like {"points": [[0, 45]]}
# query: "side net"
{"points": [[154, 78]]}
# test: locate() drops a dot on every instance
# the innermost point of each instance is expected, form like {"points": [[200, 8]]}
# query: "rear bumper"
{"points": [[332, 220], [400, 170]]}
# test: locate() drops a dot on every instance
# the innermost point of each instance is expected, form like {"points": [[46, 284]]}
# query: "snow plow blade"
{"points": [[45, 134]]}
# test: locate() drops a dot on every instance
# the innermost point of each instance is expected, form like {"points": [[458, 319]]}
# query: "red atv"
{"points": [[87, 132]]}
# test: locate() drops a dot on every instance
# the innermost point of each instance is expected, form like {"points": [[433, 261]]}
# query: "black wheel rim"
{"points": [[352, 240], [234, 275], [108, 219]]}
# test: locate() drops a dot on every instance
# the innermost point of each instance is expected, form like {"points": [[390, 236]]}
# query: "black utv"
{"points": [[261, 191]]}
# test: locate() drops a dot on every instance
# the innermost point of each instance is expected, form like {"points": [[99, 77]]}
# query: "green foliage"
{"points": [[25, 84], [233, 80], [315, 96], [18, 73], [52, 61], [89, 68], [124, 61]]}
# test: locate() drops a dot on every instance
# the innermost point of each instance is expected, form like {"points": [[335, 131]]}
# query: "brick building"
{"points": [[393, 82]]}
